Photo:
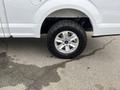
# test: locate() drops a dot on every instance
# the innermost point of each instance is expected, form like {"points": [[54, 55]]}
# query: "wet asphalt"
{"points": [[26, 64]]}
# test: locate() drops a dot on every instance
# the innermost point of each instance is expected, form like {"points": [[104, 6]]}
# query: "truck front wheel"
{"points": [[66, 39]]}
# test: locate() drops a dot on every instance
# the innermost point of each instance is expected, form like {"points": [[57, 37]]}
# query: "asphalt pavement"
{"points": [[26, 64]]}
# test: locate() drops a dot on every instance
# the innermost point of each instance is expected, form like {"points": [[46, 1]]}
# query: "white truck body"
{"points": [[24, 18]]}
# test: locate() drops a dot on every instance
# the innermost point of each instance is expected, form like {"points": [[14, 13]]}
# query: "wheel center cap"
{"points": [[66, 42]]}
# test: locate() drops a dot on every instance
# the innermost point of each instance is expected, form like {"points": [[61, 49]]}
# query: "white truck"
{"points": [[64, 21]]}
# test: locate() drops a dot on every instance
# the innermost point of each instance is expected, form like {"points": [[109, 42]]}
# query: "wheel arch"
{"points": [[41, 15]]}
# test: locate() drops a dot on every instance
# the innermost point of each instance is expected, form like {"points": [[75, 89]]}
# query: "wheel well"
{"points": [[84, 22], [66, 14]]}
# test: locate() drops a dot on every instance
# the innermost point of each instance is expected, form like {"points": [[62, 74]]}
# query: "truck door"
{"points": [[1, 29], [4, 28], [110, 10], [1, 17], [20, 15]]}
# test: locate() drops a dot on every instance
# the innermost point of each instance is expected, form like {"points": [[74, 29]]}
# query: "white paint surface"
{"points": [[25, 17]]}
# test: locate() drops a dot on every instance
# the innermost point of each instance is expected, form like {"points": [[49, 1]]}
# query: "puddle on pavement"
{"points": [[33, 77]]}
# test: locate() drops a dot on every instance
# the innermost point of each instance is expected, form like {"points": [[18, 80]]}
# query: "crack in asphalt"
{"points": [[96, 50], [32, 76]]}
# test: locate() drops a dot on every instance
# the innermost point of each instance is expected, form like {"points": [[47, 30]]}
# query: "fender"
{"points": [[51, 6]]}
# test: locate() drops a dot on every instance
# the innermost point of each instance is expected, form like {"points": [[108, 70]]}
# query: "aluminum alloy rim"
{"points": [[66, 42]]}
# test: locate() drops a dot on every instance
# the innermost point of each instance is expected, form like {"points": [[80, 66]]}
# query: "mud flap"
{"points": [[4, 28]]}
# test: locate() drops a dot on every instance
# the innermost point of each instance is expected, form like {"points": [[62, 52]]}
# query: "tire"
{"points": [[70, 28]]}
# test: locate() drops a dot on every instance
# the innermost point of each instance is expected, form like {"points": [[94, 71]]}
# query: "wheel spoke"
{"points": [[72, 44], [73, 37], [67, 48], [61, 46], [58, 39], [65, 34]]}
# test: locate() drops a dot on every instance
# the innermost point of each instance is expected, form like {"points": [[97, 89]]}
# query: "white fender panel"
{"points": [[51, 6]]}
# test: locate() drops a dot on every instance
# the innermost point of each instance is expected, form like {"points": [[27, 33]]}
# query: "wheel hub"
{"points": [[66, 42]]}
